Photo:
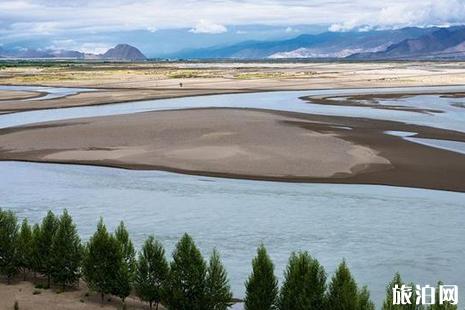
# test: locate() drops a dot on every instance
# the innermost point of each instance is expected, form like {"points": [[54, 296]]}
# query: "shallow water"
{"points": [[378, 229], [452, 118], [51, 92]]}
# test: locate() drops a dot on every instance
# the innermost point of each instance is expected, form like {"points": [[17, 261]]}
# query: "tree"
{"points": [[262, 285], [187, 277], [445, 306], [364, 302], [43, 245], [66, 252], [102, 261], [343, 292], [151, 273], [218, 290], [25, 248], [125, 275], [8, 244], [304, 284], [122, 282], [388, 302], [127, 248], [36, 261]]}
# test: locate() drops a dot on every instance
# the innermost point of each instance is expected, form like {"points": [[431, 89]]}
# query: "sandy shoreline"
{"points": [[248, 144], [117, 83]]}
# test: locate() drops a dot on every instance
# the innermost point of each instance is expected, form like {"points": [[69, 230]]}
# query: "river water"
{"points": [[378, 229]]}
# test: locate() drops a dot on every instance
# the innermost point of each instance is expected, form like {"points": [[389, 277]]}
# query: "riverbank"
{"points": [[122, 82], [247, 144], [30, 298]]}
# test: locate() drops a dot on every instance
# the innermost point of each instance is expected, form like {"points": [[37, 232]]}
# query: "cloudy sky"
{"points": [[92, 26]]}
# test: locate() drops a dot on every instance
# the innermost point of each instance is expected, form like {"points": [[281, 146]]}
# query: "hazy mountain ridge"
{"points": [[119, 52], [324, 45], [410, 43], [444, 43]]}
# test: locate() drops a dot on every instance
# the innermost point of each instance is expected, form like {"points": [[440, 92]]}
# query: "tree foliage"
{"points": [[9, 257], [151, 273], [364, 301], [262, 285], [43, 245], [304, 284], [66, 252], [187, 277], [102, 261], [218, 290], [343, 292], [125, 274], [25, 248]]}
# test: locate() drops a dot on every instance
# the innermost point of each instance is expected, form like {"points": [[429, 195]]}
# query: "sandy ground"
{"points": [[126, 82], [244, 143], [30, 298], [16, 95]]}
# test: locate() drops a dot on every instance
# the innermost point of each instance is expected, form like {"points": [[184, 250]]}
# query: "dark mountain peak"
{"points": [[124, 52]]}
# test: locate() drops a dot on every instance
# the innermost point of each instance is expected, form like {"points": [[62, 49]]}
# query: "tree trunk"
{"points": [[48, 281], [24, 275], [8, 280], [102, 296], [156, 307], [150, 304]]}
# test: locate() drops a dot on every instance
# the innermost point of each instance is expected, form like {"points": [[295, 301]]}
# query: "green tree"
{"points": [[151, 273], [36, 261], [364, 301], [25, 248], [122, 283], [43, 245], [187, 277], [445, 306], [102, 261], [304, 284], [218, 290], [127, 248], [125, 275], [66, 252], [342, 292], [388, 303], [9, 259], [262, 285]]}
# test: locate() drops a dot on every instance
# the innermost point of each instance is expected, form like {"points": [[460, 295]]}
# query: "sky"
{"points": [[160, 27]]}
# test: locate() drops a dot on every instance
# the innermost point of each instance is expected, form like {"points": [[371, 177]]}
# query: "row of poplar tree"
{"points": [[109, 265]]}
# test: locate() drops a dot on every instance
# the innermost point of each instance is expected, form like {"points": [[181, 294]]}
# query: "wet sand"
{"points": [[246, 143], [18, 95]]}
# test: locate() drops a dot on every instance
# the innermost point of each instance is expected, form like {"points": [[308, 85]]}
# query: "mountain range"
{"points": [[123, 52], [405, 43], [411, 43]]}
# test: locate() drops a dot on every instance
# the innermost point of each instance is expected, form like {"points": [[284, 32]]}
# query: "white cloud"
{"points": [[30, 18], [205, 26]]}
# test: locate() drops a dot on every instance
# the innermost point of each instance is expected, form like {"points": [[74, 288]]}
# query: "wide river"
{"points": [[378, 229]]}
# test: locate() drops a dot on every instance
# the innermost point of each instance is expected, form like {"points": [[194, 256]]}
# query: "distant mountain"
{"points": [[445, 43], [324, 45], [124, 52], [119, 52]]}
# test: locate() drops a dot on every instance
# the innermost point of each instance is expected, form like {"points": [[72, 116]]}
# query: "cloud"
{"points": [[23, 19], [205, 26]]}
